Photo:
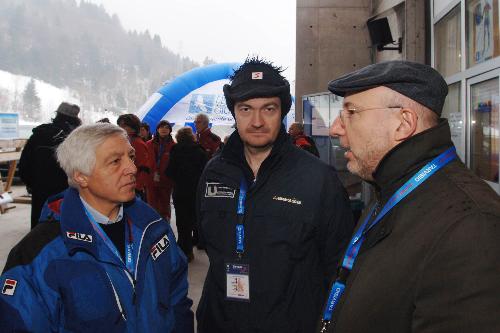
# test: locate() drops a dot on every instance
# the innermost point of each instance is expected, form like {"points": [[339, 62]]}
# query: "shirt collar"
{"points": [[101, 218]]}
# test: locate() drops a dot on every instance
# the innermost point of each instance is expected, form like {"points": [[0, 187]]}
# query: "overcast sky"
{"points": [[224, 30]]}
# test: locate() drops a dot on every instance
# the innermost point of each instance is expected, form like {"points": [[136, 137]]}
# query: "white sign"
{"points": [[9, 126]]}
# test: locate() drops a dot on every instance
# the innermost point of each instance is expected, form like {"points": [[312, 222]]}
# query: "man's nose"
{"points": [[337, 129], [130, 168], [256, 120]]}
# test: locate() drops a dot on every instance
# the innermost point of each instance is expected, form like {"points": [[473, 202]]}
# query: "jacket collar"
{"points": [[404, 160], [204, 132], [233, 152], [401, 163], [76, 227]]}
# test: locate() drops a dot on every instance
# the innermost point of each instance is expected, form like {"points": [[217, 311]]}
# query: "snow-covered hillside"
{"points": [[11, 90], [12, 87]]}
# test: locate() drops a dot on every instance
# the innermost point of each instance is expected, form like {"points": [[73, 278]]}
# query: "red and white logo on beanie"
{"points": [[257, 75]]}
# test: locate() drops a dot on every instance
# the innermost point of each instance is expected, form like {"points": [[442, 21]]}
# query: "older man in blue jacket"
{"points": [[103, 261]]}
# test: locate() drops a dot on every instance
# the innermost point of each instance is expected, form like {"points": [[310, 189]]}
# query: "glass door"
{"points": [[483, 93]]}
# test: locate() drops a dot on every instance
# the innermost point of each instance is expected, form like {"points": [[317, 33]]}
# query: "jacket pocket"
{"points": [[292, 230], [88, 301], [217, 221]]}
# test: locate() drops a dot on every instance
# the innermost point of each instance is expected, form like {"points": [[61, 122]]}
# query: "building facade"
{"points": [[460, 38]]}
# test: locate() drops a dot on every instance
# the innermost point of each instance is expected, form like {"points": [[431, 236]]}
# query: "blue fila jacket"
{"points": [[63, 278]]}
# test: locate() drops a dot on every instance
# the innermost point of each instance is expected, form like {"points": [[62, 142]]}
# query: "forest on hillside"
{"points": [[80, 46]]}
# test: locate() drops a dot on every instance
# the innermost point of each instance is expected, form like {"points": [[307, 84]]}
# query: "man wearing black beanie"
{"points": [[273, 217]]}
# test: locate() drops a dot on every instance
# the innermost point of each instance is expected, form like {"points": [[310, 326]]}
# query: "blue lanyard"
{"points": [[129, 247], [355, 244], [129, 242], [158, 157], [240, 228]]}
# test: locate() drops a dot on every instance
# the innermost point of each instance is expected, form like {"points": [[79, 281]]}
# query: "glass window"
{"points": [[325, 108], [483, 34], [447, 52], [484, 129], [451, 111], [440, 5], [320, 116]]}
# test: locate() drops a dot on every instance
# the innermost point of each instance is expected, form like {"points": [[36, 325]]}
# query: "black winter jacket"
{"points": [[38, 166], [297, 221], [187, 160], [432, 263]]}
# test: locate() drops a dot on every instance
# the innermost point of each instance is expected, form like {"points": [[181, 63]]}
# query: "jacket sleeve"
{"points": [[23, 307], [184, 318], [143, 159], [199, 196], [337, 224], [171, 170], [26, 162], [459, 285]]}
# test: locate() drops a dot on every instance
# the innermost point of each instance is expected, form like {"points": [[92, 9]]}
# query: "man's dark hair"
{"points": [[130, 120], [258, 78], [104, 120], [184, 134], [162, 123]]}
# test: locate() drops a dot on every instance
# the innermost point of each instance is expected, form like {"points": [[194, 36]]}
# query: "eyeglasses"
{"points": [[350, 111]]}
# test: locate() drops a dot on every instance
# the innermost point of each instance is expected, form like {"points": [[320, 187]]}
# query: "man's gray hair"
{"points": [[204, 117], [77, 152]]}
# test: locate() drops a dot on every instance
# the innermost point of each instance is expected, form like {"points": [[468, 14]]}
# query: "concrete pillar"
{"points": [[332, 39]]}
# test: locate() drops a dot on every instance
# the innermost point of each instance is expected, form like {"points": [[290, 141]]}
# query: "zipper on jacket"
{"points": [[140, 248], [132, 282], [117, 299]]}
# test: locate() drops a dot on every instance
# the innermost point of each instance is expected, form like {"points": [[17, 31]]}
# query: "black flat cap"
{"points": [[421, 83]]}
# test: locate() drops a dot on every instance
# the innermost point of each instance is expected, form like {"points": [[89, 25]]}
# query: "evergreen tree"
{"points": [[76, 44], [31, 102], [208, 61]]}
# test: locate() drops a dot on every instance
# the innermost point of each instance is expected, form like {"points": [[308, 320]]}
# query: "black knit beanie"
{"points": [[258, 78]]}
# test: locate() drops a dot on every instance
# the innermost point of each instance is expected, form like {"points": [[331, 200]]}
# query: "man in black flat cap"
{"points": [[273, 217], [424, 256], [38, 167]]}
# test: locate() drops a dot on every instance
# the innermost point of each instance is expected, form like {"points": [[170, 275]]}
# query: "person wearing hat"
{"points": [[273, 233], [38, 167], [424, 256]]}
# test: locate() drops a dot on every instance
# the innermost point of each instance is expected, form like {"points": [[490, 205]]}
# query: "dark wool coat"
{"points": [[187, 160], [432, 264], [38, 166], [297, 221]]}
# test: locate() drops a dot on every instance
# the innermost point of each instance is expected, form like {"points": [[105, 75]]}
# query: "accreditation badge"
{"points": [[238, 282], [156, 177]]}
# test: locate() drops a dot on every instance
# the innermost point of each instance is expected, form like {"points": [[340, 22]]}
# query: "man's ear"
{"points": [[408, 121], [81, 179]]}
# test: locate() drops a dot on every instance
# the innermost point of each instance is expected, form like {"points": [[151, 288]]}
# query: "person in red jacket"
{"points": [[296, 131], [131, 124], [161, 188], [208, 140]]}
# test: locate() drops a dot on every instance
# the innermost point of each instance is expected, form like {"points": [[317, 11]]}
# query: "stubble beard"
{"points": [[365, 162]]}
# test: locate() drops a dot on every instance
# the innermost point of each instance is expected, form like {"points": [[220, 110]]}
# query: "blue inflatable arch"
{"points": [[184, 84]]}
